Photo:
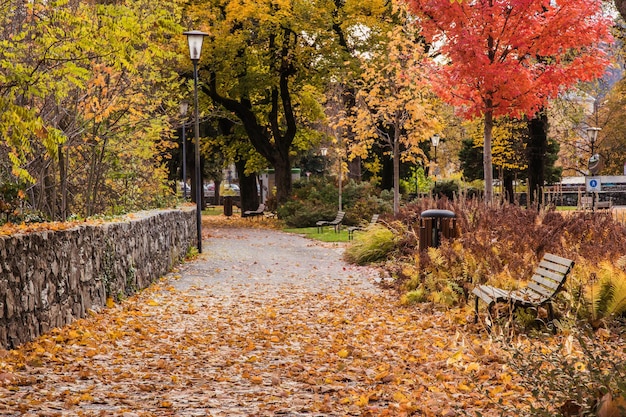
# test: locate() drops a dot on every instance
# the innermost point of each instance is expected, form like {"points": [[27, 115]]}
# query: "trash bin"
{"points": [[434, 225], [228, 205]]}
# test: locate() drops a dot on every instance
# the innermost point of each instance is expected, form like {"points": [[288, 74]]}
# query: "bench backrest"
{"points": [[550, 275], [339, 217], [374, 219]]}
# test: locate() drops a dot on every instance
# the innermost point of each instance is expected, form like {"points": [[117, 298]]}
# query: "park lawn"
{"points": [[328, 234]]}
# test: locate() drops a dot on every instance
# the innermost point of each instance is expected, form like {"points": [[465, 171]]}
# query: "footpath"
{"points": [[264, 323]]}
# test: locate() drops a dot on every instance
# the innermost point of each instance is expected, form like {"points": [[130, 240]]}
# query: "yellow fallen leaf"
{"points": [[362, 401], [506, 378], [166, 404], [455, 358], [152, 303], [463, 387], [399, 397], [472, 366], [343, 353]]}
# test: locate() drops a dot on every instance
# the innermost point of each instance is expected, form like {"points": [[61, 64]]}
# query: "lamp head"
{"points": [[435, 140], [194, 40], [184, 106], [593, 133], [324, 151]]}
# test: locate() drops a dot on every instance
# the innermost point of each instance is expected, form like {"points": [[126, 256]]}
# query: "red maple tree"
{"points": [[509, 57]]}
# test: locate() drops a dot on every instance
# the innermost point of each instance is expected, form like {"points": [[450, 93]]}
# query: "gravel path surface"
{"points": [[270, 260]]}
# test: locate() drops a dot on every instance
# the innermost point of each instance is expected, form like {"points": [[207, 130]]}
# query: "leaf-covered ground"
{"points": [[262, 324]]}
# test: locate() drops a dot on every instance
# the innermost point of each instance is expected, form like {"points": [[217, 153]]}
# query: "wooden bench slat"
{"points": [[552, 285], [552, 275], [490, 294], [526, 296], [550, 282], [551, 266], [541, 290], [478, 292], [558, 260]]}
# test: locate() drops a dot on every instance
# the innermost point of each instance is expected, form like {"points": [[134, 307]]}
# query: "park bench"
{"points": [[353, 229], [587, 203], [604, 205], [546, 282], [253, 213], [336, 223]]}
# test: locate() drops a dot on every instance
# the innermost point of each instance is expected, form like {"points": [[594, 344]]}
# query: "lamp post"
{"points": [[324, 152], [434, 139], [194, 40], [184, 105]]}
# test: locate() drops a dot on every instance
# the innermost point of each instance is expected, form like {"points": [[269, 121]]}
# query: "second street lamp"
{"points": [[194, 40], [184, 105], [434, 139]]}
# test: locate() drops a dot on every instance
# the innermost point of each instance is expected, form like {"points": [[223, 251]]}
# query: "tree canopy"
{"points": [[85, 93], [510, 57]]}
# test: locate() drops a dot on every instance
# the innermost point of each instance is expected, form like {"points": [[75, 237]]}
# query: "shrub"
{"points": [[577, 376], [373, 245], [502, 244], [305, 213], [317, 199]]}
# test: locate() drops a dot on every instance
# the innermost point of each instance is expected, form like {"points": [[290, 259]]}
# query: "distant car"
{"points": [[209, 190], [184, 188], [230, 189]]}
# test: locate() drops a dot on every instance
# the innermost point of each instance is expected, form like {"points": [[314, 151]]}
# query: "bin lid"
{"points": [[437, 213]]}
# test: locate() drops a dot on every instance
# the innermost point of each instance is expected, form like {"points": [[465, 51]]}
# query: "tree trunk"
{"points": [[508, 187], [396, 171], [247, 187], [536, 149], [487, 160], [282, 178], [63, 184]]}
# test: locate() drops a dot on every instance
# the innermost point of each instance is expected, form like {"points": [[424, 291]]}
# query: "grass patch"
{"points": [[327, 235], [214, 210]]}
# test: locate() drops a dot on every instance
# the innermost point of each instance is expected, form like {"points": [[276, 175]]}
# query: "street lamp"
{"points": [[324, 152], [592, 132], [434, 139], [194, 40], [184, 106]]}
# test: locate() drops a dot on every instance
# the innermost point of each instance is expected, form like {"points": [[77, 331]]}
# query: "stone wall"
{"points": [[48, 279]]}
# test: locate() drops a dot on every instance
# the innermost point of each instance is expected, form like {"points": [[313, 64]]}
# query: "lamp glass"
{"points": [[323, 151], [593, 133], [184, 106], [435, 140], [194, 40]]}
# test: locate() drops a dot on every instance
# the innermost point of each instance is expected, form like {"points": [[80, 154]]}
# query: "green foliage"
{"points": [[371, 246], [11, 197], [413, 297], [316, 199], [608, 294], [79, 79], [447, 189]]}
